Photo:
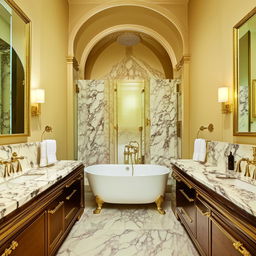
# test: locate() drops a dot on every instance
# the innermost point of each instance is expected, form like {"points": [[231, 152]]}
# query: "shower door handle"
{"points": [[148, 122]]}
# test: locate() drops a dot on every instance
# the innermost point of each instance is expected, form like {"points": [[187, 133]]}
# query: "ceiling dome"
{"points": [[128, 39]]}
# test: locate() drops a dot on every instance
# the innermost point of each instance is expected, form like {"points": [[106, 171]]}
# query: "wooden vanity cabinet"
{"points": [[218, 227], [222, 240], [185, 206], [73, 199], [202, 225], [39, 227], [31, 239], [55, 223]]}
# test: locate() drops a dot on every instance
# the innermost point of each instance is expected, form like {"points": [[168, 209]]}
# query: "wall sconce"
{"points": [[37, 97], [223, 97]]}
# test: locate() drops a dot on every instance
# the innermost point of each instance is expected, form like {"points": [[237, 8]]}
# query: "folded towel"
{"points": [[197, 144], [43, 154], [199, 150], [47, 152], [51, 151], [202, 153]]}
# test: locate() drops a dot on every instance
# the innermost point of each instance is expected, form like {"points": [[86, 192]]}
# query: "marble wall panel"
{"points": [[93, 133], [243, 109], [218, 153], [163, 116], [131, 68], [5, 100], [29, 150]]}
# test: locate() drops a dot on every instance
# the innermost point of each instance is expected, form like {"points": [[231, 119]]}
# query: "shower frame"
{"points": [[144, 137]]}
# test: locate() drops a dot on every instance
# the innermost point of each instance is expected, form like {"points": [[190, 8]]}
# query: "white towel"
{"points": [[47, 152], [43, 154], [202, 153], [51, 151], [199, 150]]}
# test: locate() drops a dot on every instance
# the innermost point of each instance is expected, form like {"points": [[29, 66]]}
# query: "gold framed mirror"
{"points": [[245, 76], [15, 33]]}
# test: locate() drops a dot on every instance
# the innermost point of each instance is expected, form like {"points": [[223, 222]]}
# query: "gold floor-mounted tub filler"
{"points": [[159, 202]]}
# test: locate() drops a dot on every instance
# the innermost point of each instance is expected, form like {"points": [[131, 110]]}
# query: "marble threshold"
{"points": [[206, 174], [17, 191]]}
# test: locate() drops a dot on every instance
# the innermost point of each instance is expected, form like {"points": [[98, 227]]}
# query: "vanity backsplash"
{"points": [[217, 153], [30, 152]]}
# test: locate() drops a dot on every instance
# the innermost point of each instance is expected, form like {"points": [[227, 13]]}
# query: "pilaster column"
{"points": [[182, 68], [70, 109]]}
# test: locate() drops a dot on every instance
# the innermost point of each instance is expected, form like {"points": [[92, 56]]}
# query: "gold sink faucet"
{"points": [[16, 159], [249, 163], [8, 164]]}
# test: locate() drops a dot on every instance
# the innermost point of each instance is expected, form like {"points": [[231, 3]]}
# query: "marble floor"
{"points": [[127, 230]]}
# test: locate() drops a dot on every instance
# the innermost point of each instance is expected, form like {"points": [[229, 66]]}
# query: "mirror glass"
{"points": [[14, 79], [245, 75]]}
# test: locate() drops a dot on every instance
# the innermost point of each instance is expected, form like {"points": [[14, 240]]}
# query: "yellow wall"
{"points": [[49, 69], [211, 50]]}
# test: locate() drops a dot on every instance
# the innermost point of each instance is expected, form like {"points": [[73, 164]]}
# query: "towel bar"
{"points": [[210, 128], [46, 129]]}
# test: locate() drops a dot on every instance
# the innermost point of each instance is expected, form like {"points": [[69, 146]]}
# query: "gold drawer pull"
{"points": [[70, 213], [68, 197], [239, 247], [207, 214], [80, 177], [186, 196], [12, 247], [184, 212], [70, 184], [176, 177], [56, 208]]}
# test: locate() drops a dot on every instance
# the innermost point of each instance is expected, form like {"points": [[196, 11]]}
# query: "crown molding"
{"points": [[167, 2]]}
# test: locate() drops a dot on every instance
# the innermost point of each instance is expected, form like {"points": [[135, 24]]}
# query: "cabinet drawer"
{"points": [[225, 243], [55, 215], [202, 225], [30, 242], [72, 199], [186, 208]]}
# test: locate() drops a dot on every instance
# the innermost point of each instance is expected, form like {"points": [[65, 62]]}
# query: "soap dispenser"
{"points": [[231, 162]]}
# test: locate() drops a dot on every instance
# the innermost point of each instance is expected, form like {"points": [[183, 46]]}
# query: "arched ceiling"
{"points": [[134, 15], [149, 42]]}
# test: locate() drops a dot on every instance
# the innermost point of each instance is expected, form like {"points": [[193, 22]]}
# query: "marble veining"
{"points": [[5, 84], [93, 143], [16, 192], [29, 150], [243, 109], [131, 68], [217, 153], [206, 174], [163, 116], [128, 230]]}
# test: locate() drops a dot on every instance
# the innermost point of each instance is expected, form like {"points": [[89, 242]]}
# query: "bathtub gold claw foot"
{"points": [[159, 201], [99, 203]]}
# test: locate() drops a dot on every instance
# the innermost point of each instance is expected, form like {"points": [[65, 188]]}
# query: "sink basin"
{"points": [[242, 185], [25, 178]]}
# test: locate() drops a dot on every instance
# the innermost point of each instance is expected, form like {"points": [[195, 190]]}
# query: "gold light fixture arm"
{"points": [[210, 128], [46, 129]]}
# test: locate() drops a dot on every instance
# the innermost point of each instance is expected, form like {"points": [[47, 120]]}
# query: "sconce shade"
{"points": [[223, 94], [37, 96]]}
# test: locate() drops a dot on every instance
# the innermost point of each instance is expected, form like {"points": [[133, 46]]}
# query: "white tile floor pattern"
{"points": [[127, 230]]}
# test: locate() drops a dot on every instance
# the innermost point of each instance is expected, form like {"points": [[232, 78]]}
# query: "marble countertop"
{"points": [[242, 195], [17, 191]]}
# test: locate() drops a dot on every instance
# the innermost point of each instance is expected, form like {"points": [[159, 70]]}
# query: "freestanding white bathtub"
{"points": [[114, 183]]}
